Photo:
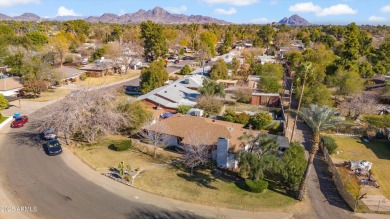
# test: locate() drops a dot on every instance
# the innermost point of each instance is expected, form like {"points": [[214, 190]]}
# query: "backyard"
{"points": [[376, 152], [204, 187]]}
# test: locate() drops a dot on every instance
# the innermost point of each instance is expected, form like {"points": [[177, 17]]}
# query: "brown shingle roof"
{"points": [[10, 83], [198, 130]]}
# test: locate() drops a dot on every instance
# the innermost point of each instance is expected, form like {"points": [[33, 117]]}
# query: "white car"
{"points": [[49, 134]]}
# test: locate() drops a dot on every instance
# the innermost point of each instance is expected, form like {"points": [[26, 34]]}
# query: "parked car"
{"points": [[176, 61], [53, 147], [49, 134], [133, 90], [19, 122]]}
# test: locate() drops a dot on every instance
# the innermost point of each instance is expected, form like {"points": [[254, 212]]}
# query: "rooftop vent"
{"points": [[231, 129]]}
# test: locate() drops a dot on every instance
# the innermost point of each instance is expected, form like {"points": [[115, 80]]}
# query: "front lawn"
{"points": [[108, 79], [3, 118], [51, 94], [376, 152], [166, 180]]}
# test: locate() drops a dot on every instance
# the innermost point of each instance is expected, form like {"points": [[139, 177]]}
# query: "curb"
{"points": [[5, 122]]}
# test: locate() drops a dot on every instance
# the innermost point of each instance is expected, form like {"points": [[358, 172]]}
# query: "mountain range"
{"points": [[157, 14], [295, 20]]}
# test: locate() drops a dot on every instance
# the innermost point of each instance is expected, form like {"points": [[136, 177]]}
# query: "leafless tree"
{"points": [[195, 155], [125, 54], [359, 104], [83, 115], [155, 135]]}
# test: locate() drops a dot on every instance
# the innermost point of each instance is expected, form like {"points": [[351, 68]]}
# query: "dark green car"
{"points": [[53, 147]]}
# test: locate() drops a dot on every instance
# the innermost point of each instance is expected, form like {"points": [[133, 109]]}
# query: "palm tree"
{"points": [[318, 118]]}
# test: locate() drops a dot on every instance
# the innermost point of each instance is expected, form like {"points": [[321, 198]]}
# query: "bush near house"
{"points": [[330, 144], [83, 77], [232, 116], [183, 109], [256, 186], [260, 120], [122, 145]]}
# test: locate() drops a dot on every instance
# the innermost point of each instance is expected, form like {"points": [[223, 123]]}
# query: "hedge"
{"points": [[122, 146], [256, 186], [330, 144]]}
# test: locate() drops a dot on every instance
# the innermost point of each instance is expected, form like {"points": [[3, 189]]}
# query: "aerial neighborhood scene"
{"points": [[195, 109]]}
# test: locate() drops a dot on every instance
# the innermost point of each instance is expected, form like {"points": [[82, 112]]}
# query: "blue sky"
{"points": [[236, 11]]}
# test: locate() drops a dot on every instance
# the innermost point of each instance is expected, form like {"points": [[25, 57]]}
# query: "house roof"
{"points": [[191, 81], [99, 66], [10, 83], [198, 130], [67, 72], [265, 94], [171, 96]]}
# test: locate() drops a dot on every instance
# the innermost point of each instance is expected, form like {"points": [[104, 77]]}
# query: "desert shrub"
{"points": [[242, 118], [330, 144], [69, 59], [229, 116], [183, 109], [243, 95], [256, 186], [185, 70], [122, 146]]}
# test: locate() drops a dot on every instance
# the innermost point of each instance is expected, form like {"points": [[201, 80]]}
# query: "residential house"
{"points": [[191, 81], [70, 74], [169, 97], [10, 86], [223, 136], [228, 83], [266, 99], [266, 59], [98, 69]]}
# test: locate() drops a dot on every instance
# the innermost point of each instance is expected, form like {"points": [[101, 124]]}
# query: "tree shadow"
{"points": [[153, 213], [27, 138], [200, 179], [378, 147]]}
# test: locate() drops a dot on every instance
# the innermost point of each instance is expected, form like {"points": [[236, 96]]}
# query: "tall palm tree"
{"points": [[318, 118]]}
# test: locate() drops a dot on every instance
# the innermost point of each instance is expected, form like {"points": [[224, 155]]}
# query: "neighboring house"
{"points": [[297, 43], [10, 86], [169, 97], [266, 99], [228, 83], [223, 136], [98, 69], [266, 59], [69, 74], [191, 81]]}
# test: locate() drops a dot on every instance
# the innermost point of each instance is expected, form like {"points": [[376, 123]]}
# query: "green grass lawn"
{"points": [[376, 152], [173, 182]]}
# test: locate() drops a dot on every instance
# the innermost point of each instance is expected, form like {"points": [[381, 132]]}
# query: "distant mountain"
{"points": [[157, 15], [295, 20]]}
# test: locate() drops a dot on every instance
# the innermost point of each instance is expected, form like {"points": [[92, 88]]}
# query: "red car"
{"points": [[19, 122]]}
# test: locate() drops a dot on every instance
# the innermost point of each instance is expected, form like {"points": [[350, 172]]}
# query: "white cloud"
{"points": [[231, 2], [309, 7], [304, 7], [6, 3], [121, 12], [62, 11], [273, 2], [229, 11], [337, 10], [261, 20], [177, 10], [376, 19], [385, 9]]}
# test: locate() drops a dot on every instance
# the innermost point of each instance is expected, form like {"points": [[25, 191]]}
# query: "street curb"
{"points": [[5, 122]]}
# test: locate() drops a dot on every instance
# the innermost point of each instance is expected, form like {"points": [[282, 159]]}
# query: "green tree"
{"points": [[3, 102], [243, 95], [209, 39], [316, 94], [327, 40], [79, 27], [209, 104], [260, 120], [365, 70], [266, 35], [183, 109], [194, 29], [155, 44], [99, 53], [153, 77], [212, 88], [351, 44], [318, 118], [229, 116], [365, 41], [269, 84], [276, 70], [60, 44], [235, 66], [294, 165], [219, 70], [350, 83], [38, 38], [136, 114], [185, 70]]}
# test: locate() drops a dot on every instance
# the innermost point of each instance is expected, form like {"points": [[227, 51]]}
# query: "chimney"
{"points": [[222, 152]]}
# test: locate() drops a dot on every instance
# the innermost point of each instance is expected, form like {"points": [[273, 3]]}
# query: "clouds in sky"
{"points": [[261, 20], [385, 9], [376, 19], [222, 11], [8, 3], [231, 2], [63, 11], [309, 7], [177, 10]]}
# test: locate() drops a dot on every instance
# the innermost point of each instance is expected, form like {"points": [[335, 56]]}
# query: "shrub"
{"points": [[185, 70], [3, 102], [243, 95], [256, 186], [242, 118], [260, 120], [122, 146], [1, 116], [83, 77], [183, 109], [69, 59], [229, 116], [330, 144]]}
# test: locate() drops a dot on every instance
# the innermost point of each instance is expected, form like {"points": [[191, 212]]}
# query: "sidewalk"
{"points": [[166, 203]]}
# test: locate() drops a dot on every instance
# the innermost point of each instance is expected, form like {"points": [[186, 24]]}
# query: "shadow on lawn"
{"points": [[380, 148], [200, 179]]}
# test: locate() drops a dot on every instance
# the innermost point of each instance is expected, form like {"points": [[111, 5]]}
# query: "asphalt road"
{"points": [[57, 191]]}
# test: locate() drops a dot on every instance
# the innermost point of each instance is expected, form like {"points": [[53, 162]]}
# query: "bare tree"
{"points": [[359, 104], [195, 155], [83, 115], [155, 135], [125, 54]]}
